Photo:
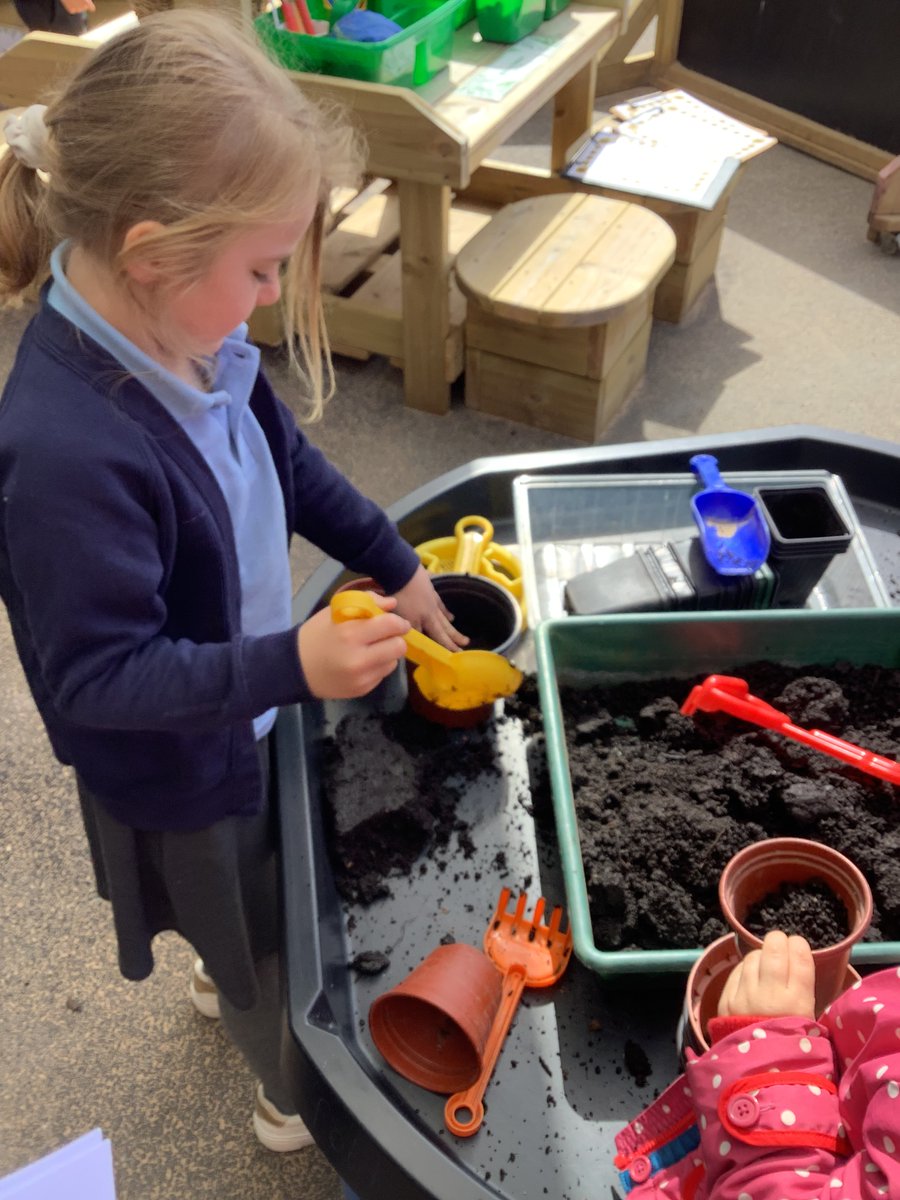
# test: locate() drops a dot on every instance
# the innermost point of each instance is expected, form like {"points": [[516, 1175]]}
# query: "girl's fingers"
{"points": [[726, 1000], [774, 960], [802, 966]]}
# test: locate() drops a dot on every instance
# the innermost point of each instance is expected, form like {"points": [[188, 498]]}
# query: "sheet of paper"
{"points": [[676, 118], [81, 1170], [494, 81], [669, 171]]}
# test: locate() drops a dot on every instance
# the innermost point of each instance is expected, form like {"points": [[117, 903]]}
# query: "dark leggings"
{"points": [[49, 16]]}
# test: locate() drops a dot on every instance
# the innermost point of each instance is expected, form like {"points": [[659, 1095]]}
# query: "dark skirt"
{"points": [[217, 887]]}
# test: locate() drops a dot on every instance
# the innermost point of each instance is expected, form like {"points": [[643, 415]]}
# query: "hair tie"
{"points": [[27, 136]]}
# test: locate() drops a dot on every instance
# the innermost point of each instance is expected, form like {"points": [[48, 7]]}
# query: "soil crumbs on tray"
{"points": [[663, 801], [393, 782]]}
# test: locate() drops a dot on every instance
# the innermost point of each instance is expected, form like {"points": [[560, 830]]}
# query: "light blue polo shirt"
{"points": [[228, 436]]}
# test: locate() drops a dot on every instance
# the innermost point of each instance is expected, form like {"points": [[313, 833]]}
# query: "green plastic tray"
{"points": [[609, 650], [407, 59]]}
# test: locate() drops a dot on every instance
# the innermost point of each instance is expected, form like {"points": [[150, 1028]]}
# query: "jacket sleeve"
{"points": [[85, 576], [345, 524], [790, 1109]]}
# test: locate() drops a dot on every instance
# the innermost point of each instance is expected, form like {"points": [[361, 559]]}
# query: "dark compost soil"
{"points": [[811, 909], [393, 782], [662, 800]]}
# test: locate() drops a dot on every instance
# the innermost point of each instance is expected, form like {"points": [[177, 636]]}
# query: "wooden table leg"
{"points": [[573, 113], [424, 224]]}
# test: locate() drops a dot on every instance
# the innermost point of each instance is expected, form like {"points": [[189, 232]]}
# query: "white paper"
{"points": [[81, 1170], [675, 118], [492, 82], [671, 172]]}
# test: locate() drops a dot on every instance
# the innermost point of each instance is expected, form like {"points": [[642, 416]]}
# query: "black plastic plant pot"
{"points": [[484, 611], [807, 532]]}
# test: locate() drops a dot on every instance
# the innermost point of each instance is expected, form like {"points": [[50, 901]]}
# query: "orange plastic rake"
{"points": [[530, 954]]}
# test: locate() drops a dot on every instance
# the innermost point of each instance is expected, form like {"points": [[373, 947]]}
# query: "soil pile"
{"points": [[663, 800], [811, 909], [392, 783]]}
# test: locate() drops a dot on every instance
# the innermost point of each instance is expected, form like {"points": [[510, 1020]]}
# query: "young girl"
{"points": [[782, 1106], [151, 482]]}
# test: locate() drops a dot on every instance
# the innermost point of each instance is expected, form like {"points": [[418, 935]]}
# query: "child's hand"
{"points": [[776, 981], [345, 659], [425, 610]]}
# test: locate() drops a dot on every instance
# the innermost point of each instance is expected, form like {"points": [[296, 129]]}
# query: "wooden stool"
{"points": [[560, 292]]}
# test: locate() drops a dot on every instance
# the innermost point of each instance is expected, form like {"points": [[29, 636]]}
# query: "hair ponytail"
{"points": [[25, 236]]}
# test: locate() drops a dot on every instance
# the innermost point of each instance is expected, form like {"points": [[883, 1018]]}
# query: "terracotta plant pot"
{"points": [[760, 869], [704, 989], [433, 1027]]}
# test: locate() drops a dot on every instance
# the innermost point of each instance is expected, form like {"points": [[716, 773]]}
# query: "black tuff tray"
{"points": [[569, 1073]]}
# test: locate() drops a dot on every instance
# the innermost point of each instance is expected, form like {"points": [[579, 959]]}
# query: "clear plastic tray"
{"points": [[568, 524]]}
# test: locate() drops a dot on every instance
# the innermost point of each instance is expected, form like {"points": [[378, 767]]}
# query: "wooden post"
{"points": [[668, 31], [573, 113], [424, 250]]}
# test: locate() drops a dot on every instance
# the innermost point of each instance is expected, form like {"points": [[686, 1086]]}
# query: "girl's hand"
{"points": [[78, 6], [425, 610], [776, 981], [345, 659]]}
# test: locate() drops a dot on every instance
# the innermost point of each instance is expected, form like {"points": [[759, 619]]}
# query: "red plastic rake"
{"points": [[727, 693]]}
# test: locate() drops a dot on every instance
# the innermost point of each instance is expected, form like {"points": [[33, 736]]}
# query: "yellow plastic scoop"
{"points": [[460, 679]]}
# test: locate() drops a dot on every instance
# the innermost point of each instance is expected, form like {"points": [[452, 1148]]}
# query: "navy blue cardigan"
{"points": [[119, 573]]}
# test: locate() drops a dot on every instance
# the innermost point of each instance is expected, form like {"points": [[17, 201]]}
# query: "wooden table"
{"points": [[430, 141]]}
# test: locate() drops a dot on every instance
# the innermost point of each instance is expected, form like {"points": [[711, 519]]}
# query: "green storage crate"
{"points": [[407, 59], [552, 7], [464, 14], [611, 649], [508, 20]]}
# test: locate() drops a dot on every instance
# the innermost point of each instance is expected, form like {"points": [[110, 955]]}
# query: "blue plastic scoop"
{"points": [[733, 530]]}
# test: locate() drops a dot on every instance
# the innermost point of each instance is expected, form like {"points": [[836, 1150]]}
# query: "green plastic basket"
{"points": [[465, 13], [508, 20], [552, 7], [607, 650], [407, 59]]}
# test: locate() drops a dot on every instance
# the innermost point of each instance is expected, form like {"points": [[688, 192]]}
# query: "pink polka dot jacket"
{"points": [[780, 1109]]}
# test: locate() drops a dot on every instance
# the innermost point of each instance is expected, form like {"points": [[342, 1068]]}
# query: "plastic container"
{"points": [[759, 869], [483, 610], [383, 1135], [807, 531], [569, 524], [433, 1026], [704, 989], [552, 7], [408, 59], [464, 14], [592, 650], [508, 20]]}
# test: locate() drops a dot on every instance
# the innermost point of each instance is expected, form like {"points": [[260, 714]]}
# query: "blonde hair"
{"points": [[183, 121]]}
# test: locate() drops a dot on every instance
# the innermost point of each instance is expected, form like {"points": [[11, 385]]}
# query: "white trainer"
{"points": [[275, 1130], [204, 995]]}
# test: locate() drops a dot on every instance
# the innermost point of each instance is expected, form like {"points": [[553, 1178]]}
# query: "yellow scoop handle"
{"points": [[473, 536], [453, 679]]}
